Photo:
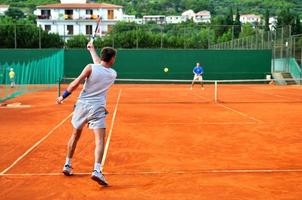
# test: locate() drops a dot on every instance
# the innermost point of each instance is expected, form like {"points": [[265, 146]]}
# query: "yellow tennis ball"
{"points": [[166, 69]]}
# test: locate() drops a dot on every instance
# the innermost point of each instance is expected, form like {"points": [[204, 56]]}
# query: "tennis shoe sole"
{"points": [[99, 181]]}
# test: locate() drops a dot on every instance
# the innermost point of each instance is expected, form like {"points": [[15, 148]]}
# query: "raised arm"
{"points": [[75, 84], [96, 59]]}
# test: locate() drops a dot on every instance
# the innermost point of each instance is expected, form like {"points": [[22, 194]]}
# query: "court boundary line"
{"points": [[211, 171], [240, 113], [231, 109], [35, 145], [110, 131]]}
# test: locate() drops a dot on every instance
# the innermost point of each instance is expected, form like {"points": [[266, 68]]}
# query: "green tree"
{"points": [[219, 26], [229, 18], [297, 28], [237, 25], [266, 20], [78, 41], [285, 18], [227, 36], [14, 13], [247, 30]]}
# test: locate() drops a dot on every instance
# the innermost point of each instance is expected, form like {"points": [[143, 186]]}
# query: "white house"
{"points": [[159, 19], [188, 15], [74, 17], [202, 17], [250, 18], [272, 22], [3, 9], [129, 18], [174, 19]]}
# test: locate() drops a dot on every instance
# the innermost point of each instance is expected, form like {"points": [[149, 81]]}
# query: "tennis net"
{"points": [[213, 91]]}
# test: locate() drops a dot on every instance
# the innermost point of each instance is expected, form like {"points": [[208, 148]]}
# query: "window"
{"points": [[68, 14], [110, 14], [89, 12], [47, 28], [70, 29], [88, 29], [45, 14]]}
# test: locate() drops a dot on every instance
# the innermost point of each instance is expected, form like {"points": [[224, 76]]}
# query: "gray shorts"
{"points": [[88, 113]]}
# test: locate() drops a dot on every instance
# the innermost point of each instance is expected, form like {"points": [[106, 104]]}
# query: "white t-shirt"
{"points": [[97, 85]]}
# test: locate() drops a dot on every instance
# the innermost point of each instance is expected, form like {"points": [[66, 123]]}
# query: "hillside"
{"points": [[175, 7]]}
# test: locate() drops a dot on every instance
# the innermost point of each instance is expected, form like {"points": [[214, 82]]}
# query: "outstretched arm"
{"points": [[75, 84], [96, 59]]}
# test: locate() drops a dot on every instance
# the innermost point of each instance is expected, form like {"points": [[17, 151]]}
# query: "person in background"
{"points": [[198, 73], [12, 77]]}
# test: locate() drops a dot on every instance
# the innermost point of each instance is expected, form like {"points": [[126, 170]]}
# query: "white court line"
{"points": [[211, 171], [34, 146], [236, 111], [240, 113], [110, 131], [193, 123]]}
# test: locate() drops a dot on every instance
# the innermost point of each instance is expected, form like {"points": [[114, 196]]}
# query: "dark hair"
{"points": [[107, 54]]}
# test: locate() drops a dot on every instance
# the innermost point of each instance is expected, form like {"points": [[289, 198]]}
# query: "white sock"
{"points": [[68, 161], [97, 167]]}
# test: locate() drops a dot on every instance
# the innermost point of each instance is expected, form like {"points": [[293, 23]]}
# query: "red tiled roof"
{"points": [[80, 5]]}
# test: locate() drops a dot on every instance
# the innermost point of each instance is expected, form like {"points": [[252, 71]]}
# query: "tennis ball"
{"points": [[166, 69]]}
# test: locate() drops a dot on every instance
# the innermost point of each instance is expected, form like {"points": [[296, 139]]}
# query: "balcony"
{"points": [[44, 17], [68, 17]]}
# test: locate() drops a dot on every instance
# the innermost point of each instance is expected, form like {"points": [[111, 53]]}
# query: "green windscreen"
{"points": [[34, 70]]}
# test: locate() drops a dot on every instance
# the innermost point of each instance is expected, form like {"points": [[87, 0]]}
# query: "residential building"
{"points": [[159, 19], [272, 22], [202, 17], [75, 17], [129, 18], [174, 19], [188, 15], [3, 9], [250, 18]]}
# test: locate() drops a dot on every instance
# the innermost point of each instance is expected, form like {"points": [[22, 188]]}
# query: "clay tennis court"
{"points": [[163, 142]]}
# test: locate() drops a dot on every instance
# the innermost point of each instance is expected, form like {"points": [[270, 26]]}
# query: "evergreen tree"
{"points": [[237, 25], [297, 28], [285, 18], [14, 13], [229, 18], [266, 20]]}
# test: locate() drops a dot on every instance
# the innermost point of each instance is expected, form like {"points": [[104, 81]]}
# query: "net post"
{"points": [[215, 92]]}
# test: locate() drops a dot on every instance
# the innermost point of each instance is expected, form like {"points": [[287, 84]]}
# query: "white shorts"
{"points": [[88, 113], [198, 77]]}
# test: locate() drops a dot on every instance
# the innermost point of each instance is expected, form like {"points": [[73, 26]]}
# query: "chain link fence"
{"points": [[129, 35], [260, 40]]}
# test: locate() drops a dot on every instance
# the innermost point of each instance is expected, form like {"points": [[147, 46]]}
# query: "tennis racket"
{"points": [[96, 29]]}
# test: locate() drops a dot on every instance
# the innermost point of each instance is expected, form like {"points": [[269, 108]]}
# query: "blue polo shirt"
{"points": [[198, 70]]}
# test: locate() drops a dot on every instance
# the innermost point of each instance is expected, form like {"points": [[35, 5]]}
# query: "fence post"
{"points": [[137, 36], [184, 37], [232, 36], [161, 36], [15, 36], [39, 37]]}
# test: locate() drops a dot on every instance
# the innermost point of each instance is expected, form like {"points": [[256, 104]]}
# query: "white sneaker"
{"points": [[99, 178], [67, 170]]}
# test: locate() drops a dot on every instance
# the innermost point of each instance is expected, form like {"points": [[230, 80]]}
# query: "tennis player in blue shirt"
{"points": [[198, 73]]}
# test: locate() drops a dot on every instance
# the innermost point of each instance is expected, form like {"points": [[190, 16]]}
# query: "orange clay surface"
{"points": [[167, 142]]}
